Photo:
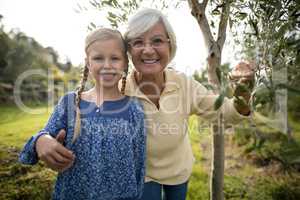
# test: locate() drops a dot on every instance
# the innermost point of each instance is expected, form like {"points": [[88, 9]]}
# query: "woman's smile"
{"points": [[150, 61]]}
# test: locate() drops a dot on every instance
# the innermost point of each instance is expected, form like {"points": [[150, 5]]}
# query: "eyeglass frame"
{"points": [[164, 41]]}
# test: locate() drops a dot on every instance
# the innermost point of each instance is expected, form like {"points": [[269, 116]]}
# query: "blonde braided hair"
{"points": [[77, 102], [98, 34], [124, 77]]}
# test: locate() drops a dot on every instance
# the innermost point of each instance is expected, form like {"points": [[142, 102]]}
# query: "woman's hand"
{"points": [[53, 153], [242, 77]]}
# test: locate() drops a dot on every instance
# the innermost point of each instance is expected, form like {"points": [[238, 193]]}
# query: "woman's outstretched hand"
{"points": [[53, 153], [242, 77]]}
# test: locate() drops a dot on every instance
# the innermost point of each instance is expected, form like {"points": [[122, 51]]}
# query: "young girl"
{"points": [[104, 129]]}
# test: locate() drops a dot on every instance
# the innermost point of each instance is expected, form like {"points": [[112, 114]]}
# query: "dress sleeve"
{"points": [[139, 145], [56, 122], [202, 103]]}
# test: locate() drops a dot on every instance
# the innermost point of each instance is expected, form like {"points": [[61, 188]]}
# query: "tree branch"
{"points": [[198, 11], [214, 53], [195, 7], [223, 23], [204, 4]]}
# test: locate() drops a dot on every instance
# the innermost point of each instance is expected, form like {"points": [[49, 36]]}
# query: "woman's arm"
{"points": [[233, 109], [202, 103]]}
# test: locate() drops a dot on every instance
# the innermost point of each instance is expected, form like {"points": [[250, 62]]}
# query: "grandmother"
{"points": [[169, 98]]}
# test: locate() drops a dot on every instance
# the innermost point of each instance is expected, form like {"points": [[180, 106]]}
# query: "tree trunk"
{"points": [[214, 49], [218, 153]]}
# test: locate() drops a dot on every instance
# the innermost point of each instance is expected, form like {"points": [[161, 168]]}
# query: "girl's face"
{"points": [[151, 51], [106, 62]]}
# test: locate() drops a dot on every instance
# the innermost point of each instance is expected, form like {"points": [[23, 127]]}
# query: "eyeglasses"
{"points": [[156, 43]]}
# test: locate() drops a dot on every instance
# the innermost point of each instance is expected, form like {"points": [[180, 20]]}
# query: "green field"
{"points": [[16, 126], [243, 179]]}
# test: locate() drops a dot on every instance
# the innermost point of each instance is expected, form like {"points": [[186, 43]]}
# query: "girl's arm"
{"points": [[56, 122]]}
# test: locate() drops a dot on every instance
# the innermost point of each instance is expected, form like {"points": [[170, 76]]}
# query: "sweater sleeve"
{"points": [[139, 145], [56, 122]]}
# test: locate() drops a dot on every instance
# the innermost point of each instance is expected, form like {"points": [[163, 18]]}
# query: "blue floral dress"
{"points": [[110, 150]]}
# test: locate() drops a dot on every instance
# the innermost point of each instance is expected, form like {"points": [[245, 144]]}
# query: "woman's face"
{"points": [[106, 62], [150, 51]]}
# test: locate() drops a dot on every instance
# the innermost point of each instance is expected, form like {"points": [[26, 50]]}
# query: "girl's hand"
{"points": [[53, 153]]}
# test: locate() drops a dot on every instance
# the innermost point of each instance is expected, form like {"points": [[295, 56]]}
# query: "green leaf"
{"points": [[229, 91], [91, 26], [209, 86], [94, 4], [216, 12], [219, 101], [241, 88], [112, 15], [219, 72], [107, 3], [115, 4], [262, 94], [240, 101], [241, 15], [230, 22]]}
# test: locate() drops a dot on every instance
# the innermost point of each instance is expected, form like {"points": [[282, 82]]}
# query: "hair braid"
{"points": [[124, 77], [77, 102]]}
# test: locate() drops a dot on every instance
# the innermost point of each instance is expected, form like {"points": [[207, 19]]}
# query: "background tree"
{"points": [[4, 43], [271, 37], [20, 53]]}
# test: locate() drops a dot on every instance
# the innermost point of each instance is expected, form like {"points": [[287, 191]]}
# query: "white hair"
{"points": [[144, 20]]}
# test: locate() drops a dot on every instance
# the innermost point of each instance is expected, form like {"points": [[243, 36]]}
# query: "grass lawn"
{"points": [[17, 126], [19, 181]]}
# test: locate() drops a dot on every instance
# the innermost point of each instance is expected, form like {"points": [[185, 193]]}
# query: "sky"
{"points": [[56, 23]]}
